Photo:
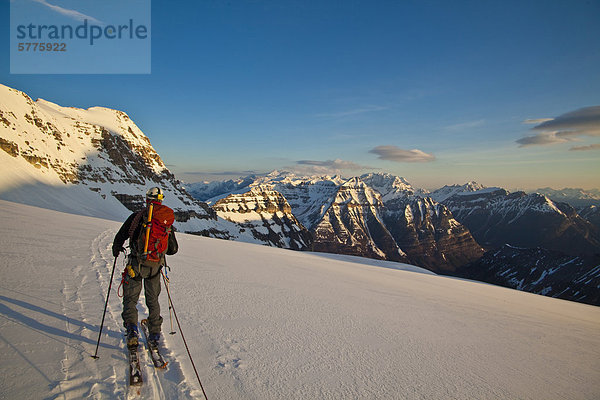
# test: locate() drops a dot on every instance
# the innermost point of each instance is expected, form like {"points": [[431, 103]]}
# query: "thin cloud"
{"points": [[595, 146], [327, 167], [354, 111], [76, 15], [396, 154], [564, 128], [228, 173], [545, 138], [335, 164], [466, 125], [537, 121]]}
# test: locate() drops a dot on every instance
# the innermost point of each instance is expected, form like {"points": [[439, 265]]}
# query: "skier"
{"points": [[140, 268]]}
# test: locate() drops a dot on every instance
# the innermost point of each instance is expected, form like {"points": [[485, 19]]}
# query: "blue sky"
{"points": [[435, 91]]}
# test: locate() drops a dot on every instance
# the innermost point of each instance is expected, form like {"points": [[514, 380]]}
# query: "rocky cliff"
{"points": [[267, 216], [353, 224], [376, 215]]}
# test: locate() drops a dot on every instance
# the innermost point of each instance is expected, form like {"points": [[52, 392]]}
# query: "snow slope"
{"points": [[268, 323]]}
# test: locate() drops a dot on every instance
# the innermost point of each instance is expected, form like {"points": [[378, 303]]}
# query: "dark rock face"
{"points": [[352, 225], [132, 202], [429, 234], [592, 215], [10, 147], [213, 233], [186, 215], [523, 220], [540, 271]]}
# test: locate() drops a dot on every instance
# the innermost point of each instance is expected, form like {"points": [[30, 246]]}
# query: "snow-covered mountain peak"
{"points": [[50, 105], [356, 191], [468, 188], [383, 178], [473, 186], [392, 187], [545, 204], [93, 161], [97, 144], [354, 182], [387, 181]]}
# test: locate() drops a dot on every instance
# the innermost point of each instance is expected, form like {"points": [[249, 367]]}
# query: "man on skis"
{"points": [[143, 229]]}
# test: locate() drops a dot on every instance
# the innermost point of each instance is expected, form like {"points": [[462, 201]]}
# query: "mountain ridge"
{"points": [[94, 162], [492, 215], [369, 215]]}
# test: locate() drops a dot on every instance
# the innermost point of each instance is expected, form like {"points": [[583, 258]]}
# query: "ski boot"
{"points": [[132, 335], [154, 338]]}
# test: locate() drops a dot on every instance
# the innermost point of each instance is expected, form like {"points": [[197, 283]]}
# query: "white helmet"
{"points": [[155, 194]]}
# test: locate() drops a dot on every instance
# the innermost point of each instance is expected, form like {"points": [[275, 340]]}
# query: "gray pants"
{"points": [[131, 293]]}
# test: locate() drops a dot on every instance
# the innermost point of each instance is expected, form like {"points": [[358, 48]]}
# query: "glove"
{"points": [[117, 249]]}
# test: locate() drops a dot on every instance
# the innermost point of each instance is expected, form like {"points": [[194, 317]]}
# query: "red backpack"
{"points": [[153, 239]]}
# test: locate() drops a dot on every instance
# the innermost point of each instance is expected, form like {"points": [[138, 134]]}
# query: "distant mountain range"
{"points": [[578, 198], [97, 162], [533, 243], [375, 215], [496, 217]]}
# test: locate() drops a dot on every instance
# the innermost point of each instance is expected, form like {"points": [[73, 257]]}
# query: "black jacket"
{"points": [[123, 235]]}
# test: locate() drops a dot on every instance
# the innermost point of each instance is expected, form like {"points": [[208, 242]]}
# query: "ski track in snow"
{"points": [[71, 322], [158, 384]]}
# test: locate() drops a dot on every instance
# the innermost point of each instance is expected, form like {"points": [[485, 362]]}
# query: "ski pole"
{"points": [[95, 356], [182, 336], [171, 319], [170, 305]]}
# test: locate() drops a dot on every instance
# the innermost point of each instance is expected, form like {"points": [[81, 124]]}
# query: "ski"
{"points": [[135, 372], [153, 349]]}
